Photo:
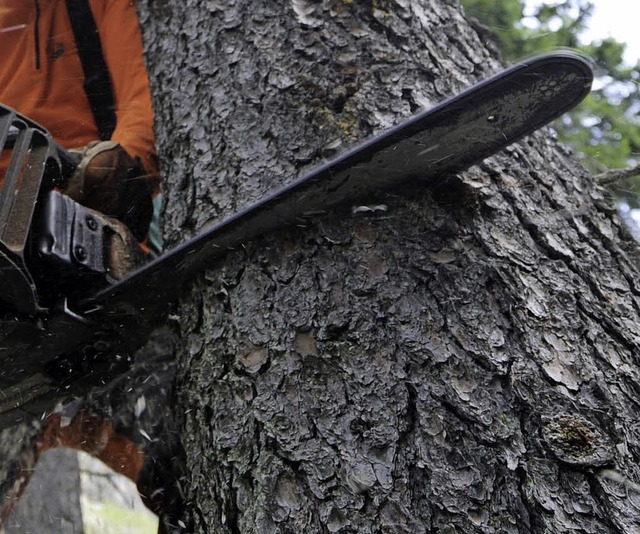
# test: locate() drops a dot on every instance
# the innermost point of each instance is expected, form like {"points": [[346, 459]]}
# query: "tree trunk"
{"points": [[460, 361]]}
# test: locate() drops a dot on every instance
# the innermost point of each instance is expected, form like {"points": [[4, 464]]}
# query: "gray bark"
{"points": [[461, 362]]}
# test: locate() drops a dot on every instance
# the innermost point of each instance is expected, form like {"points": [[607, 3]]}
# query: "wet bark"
{"points": [[463, 360]]}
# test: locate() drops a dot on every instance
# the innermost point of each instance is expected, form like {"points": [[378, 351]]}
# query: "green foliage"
{"points": [[605, 129], [556, 25]]}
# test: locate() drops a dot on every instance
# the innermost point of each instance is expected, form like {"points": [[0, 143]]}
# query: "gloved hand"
{"points": [[110, 181]]}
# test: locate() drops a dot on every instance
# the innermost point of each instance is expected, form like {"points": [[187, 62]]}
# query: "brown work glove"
{"points": [[110, 181]]}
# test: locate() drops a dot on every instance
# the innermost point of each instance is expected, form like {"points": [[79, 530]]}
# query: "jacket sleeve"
{"points": [[121, 40]]}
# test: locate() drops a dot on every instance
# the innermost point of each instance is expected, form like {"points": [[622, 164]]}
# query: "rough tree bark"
{"points": [[463, 361]]}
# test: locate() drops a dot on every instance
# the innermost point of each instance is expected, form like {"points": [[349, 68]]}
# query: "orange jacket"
{"points": [[41, 75]]}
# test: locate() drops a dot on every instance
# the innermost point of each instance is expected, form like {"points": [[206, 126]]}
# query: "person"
{"points": [[42, 76]]}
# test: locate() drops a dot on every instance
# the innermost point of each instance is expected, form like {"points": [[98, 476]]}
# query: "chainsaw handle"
{"points": [[68, 161]]}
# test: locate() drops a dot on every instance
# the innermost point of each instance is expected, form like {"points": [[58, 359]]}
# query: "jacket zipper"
{"points": [[36, 34]]}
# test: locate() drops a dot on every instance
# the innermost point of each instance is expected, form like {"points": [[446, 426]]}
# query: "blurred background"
{"points": [[605, 129]]}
